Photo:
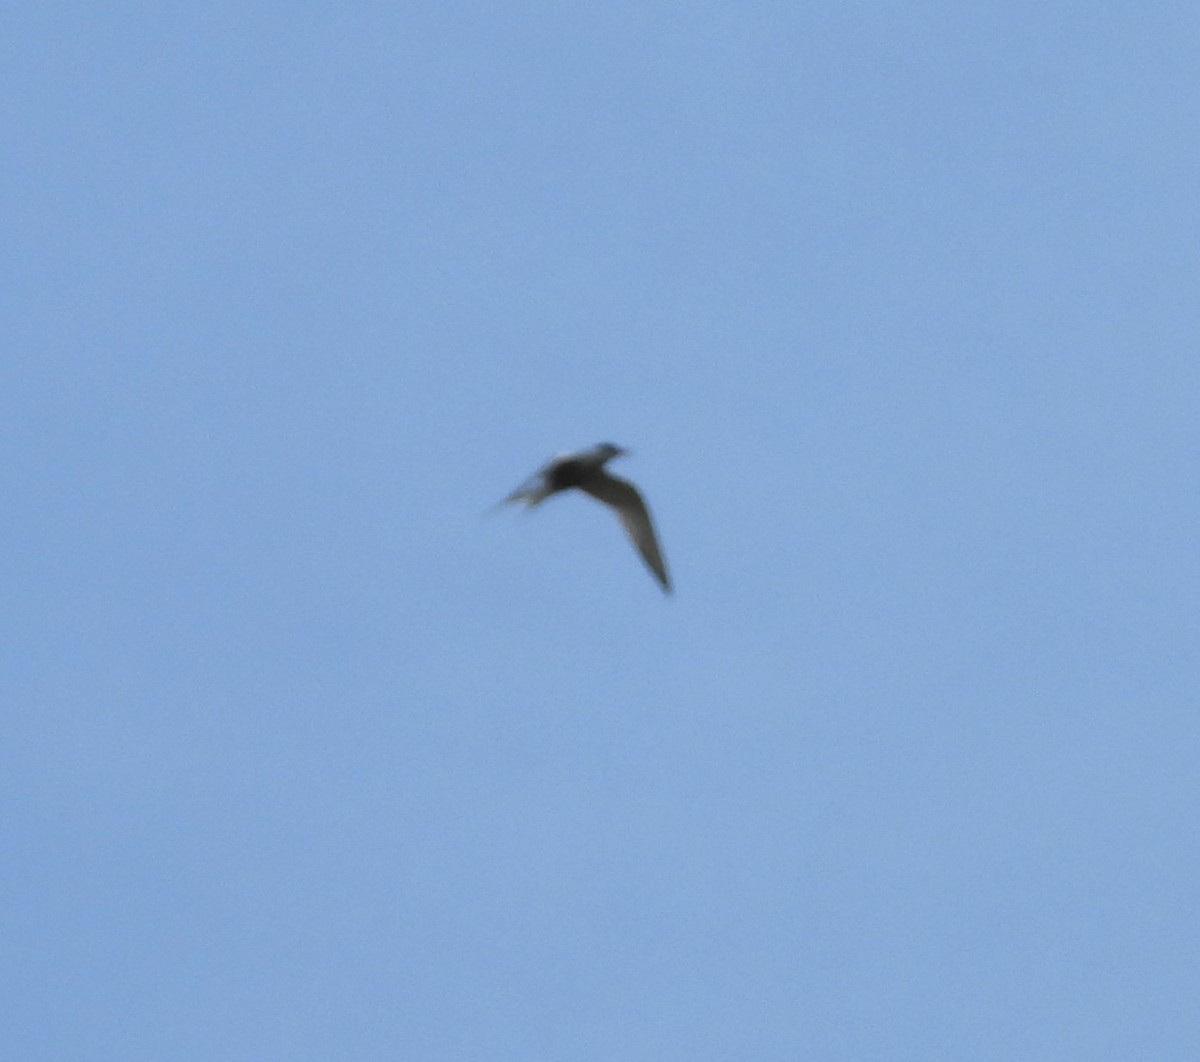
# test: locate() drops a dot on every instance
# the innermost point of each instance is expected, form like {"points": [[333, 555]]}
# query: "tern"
{"points": [[586, 471]]}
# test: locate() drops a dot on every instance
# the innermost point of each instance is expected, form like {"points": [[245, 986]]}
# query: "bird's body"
{"points": [[586, 471]]}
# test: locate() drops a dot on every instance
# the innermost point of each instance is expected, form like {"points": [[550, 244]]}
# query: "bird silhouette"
{"points": [[586, 471]]}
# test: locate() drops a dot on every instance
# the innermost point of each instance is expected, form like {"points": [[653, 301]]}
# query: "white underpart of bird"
{"points": [[586, 471]]}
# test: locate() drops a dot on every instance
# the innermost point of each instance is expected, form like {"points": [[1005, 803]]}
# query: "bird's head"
{"points": [[607, 451]]}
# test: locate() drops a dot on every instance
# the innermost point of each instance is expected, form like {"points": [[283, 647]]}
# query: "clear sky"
{"points": [[303, 755]]}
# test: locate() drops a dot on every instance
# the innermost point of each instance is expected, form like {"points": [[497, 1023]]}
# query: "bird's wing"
{"points": [[625, 500]]}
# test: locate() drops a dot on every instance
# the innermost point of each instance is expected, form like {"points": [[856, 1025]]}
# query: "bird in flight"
{"points": [[586, 471]]}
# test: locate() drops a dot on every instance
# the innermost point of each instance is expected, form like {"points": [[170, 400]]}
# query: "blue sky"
{"points": [[304, 756]]}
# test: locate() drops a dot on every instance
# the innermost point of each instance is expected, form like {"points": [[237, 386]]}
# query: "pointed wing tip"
{"points": [[660, 576]]}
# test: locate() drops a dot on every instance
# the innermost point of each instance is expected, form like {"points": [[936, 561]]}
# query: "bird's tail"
{"points": [[531, 494]]}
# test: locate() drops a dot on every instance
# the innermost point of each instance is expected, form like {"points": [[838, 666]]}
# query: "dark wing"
{"points": [[625, 500]]}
